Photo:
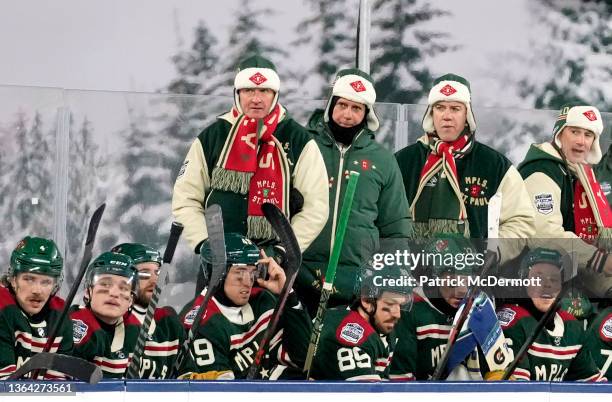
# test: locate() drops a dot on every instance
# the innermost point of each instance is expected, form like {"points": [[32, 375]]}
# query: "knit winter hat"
{"points": [[586, 117], [256, 72], [357, 86], [449, 88]]}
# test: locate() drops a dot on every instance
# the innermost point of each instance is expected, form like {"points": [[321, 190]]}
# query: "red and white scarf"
{"points": [[592, 214], [253, 162]]}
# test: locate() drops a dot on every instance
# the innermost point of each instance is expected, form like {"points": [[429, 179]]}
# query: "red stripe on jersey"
{"points": [[434, 331], [253, 330], [111, 365], [553, 351], [35, 343], [161, 348]]}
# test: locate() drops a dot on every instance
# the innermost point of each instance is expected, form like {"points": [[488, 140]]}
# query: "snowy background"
{"points": [[134, 81]]}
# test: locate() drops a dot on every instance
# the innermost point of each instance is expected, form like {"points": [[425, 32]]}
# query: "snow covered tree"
{"points": [[329, 33], [32, 176], [570, 55], [401, 45]]}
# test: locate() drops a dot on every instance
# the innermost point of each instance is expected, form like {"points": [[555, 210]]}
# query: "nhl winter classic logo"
{"points": [[79, 330], [358, 86], [606, 329], [505, 316], [447, 90], [258, 78], [544, 203], [589, 114], [352, 332]]}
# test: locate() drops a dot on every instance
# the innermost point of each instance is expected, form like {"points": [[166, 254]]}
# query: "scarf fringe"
{"points": [[258, 227], [231, 180], [435, 226]]}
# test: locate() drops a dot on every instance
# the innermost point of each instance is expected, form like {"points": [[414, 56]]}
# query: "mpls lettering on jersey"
{"points": [[245, 356], [557, 372]]}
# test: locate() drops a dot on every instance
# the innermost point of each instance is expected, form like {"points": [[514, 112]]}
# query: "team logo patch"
{"points": [[183, 168], [589, 114], [606, 329], [352, 332], [79, 330], [258, 78], [606, 187], [190, 316], [358, 86], [41, 332], [544, 203], [505, 316], [447, 90]]}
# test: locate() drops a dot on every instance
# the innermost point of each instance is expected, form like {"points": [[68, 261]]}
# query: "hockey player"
{"points": [[557, 354], [29, 307], [238, 314], [104, 330], [166, 332], [599, 341], [424, 331], [357, 344]]}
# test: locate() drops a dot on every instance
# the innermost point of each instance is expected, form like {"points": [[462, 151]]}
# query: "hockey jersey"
{"points": [[422, 335], [22, 336], [228, 337], [351, 349], [166, 334], [599, 341], [110, 347], [555, 355]]}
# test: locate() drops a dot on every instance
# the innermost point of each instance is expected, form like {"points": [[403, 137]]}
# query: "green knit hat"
{"points": [[357, 86], [256, 72], [579, 114], [449, 88]]}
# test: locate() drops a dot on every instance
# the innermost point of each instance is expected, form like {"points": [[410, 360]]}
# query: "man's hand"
{"points": [[276, 275]]}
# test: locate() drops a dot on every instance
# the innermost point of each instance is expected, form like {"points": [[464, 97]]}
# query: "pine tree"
{"points": [[570, 55], [248, 37], [32, 178], [199, 66], [401, 46], [329, 33]]}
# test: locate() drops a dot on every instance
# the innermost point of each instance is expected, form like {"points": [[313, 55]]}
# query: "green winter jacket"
{"points": [[603, 172], [379, 210]]}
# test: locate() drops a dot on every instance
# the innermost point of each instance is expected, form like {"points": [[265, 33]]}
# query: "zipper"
{"points": [[340, 177]]}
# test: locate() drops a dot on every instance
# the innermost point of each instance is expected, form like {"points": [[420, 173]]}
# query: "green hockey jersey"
{"points": [[351, 349], [22, 336], [166, 334], [555, 355], [110, 347], [228, 337], [422, 335], [599, 341]]}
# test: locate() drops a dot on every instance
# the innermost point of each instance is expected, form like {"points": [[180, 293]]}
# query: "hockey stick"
{"points": [[567, 284], [72, 366], [132, 371], [330, 274], [491, 259], [283, 229], [92, 229], [216, 237]]}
